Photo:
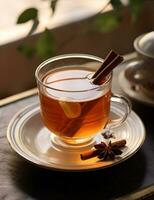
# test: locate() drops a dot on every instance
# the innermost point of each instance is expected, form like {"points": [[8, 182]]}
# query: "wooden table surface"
{"points": [[20, 180]]}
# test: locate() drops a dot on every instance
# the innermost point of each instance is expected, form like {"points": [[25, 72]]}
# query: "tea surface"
{"points": [[74, 108]]}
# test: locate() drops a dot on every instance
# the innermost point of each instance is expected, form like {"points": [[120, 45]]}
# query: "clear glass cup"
{"points": [[72, 107]]}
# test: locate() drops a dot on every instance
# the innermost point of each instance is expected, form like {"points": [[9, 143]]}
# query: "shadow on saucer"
{"points": [[105, 184]]}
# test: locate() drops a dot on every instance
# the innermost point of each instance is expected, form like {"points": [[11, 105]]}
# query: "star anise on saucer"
{"points": [[108, 135], [105, 151]]}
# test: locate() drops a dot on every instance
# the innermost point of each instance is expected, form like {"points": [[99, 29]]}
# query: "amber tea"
{"points": [[71, 106], [75, 97]]}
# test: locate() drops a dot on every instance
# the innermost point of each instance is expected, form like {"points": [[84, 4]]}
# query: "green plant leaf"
{"points": [[34, 26], [107, 22], [45, 45], [28, 14], [116, 3], [53, 5], [26, 50], [136, 7]]}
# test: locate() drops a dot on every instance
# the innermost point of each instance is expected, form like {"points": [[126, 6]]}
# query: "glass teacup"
{"points": [[72, 107]]}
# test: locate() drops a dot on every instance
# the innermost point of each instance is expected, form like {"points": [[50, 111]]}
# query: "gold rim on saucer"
{"points": [[33, 141]]}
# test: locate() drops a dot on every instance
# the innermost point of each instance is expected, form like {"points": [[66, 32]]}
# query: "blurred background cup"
{"points": [[140, 71]]}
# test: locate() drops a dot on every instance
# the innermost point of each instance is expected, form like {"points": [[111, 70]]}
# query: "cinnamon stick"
{"points": [[110, 56], [104, 72], [73, 125], [118, 144], [89, 154], [111, 61]]}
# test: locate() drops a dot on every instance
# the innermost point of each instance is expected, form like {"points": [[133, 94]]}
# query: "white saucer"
{"points": [[30, 139], [135, 93]]}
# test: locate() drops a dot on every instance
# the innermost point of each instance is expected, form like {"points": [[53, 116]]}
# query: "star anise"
{"points": [[108, 135], [105, 151]]}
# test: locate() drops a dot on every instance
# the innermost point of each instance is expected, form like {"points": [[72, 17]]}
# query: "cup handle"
{"points": [[119, 99]]}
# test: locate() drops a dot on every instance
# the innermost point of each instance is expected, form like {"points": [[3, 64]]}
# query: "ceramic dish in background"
{"points": [[131, 89], [139, 71], [144, 45]]}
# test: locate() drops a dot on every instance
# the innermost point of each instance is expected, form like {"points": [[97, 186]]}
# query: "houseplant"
{"points": [[102, 23]]}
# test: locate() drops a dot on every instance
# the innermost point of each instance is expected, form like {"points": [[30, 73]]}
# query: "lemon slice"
{"points": [[71, 109]]}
